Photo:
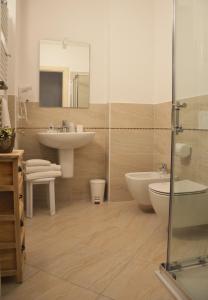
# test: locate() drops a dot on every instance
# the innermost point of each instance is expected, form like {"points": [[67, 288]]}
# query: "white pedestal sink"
{"points": [[66, 142]]}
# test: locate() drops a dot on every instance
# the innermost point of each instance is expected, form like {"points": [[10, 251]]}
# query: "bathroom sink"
{"points": [[65, 140], [65, 143]]}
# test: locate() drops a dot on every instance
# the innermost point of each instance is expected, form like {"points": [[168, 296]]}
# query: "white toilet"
{"points": [[138, 186], [190, 202]]}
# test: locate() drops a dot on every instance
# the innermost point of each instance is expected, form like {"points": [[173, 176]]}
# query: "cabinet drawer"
{"points": [[7, 232], [6, 171], [8, 259], [6, 203]]}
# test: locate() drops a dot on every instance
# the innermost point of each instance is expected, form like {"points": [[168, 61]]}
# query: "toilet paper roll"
{"points": [[183, 150]]}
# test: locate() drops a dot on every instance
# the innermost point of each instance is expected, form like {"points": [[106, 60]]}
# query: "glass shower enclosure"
{"points": [[186, 269]]}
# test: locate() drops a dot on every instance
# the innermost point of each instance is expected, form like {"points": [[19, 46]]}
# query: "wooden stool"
{"points": [[29, 195]]}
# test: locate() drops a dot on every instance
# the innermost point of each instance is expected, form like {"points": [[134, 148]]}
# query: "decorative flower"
{"points": [[6, 133]]}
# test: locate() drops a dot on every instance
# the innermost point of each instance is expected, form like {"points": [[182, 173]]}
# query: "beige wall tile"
{"points": [[41, 117], [162, 115], [162, 148], [126, 163], [120, 164], [162, 141], [131, 141], [131, 115], [159, 159], [119, 190]]}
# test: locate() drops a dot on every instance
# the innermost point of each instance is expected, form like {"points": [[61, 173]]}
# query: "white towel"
{"points": [[37, 162], [39, 175], [52, 167], [5, 118]]}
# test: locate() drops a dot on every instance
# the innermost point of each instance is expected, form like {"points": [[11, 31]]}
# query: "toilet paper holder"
{"points": [[183, 150]]}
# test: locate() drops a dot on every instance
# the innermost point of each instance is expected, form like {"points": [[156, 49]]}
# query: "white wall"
{"points": [[74, 57], [11, 44], [162, 51], [191, 48], [126, 66], [79, 20], [131, 51], [130, 40]]}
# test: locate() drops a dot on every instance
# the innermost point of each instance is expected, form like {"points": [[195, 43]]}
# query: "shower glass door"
{"points": [[188, 228]]}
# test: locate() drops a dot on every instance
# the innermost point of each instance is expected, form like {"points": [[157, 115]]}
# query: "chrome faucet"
{"points": [[164, 168], [65, 126]]}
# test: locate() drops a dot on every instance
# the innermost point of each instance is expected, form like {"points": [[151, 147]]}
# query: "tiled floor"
{"points": [[92, 252]]}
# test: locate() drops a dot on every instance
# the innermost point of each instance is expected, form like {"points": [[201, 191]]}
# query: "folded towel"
{"points": [[39, 175], [52, 167], [37, 162]]}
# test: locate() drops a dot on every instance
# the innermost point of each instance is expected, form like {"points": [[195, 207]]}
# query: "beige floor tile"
{"points": [[155, 246], [103, 298], [160, 293], [99, 256], [43, 286], [29, 271], [91, 246], [137, 281], [9, 283]]}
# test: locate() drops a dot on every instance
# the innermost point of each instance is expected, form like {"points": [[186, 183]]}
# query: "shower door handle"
{"points": [[178, 106]]}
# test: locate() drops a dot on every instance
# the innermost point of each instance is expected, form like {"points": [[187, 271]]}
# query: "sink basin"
{"points": [[66, 142]]}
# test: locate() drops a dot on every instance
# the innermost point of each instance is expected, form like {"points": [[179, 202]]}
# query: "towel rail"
{"points": [[4, 54]]}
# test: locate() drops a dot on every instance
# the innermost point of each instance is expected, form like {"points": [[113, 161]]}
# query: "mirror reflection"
{"points": [[64, 75]]}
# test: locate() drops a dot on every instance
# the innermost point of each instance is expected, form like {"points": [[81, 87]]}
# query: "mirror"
{"points": [[64, 76]]}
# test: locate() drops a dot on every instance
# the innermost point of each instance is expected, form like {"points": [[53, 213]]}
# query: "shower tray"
{"points": [[189, 283]]}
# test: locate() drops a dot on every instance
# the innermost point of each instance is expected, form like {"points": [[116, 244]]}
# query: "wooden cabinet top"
{"points": [[13, 154]]}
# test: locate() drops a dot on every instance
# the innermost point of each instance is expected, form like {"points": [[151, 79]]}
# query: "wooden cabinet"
{"points": [[12, 233]]}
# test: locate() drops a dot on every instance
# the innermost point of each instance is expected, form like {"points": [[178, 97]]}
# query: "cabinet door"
{"points": [[6, 171]]}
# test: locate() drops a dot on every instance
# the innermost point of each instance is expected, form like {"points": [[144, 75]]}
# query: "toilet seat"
{"points": [[182, 187]]}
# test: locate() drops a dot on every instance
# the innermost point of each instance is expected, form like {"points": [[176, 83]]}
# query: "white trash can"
{"points": [[97, 190]]}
